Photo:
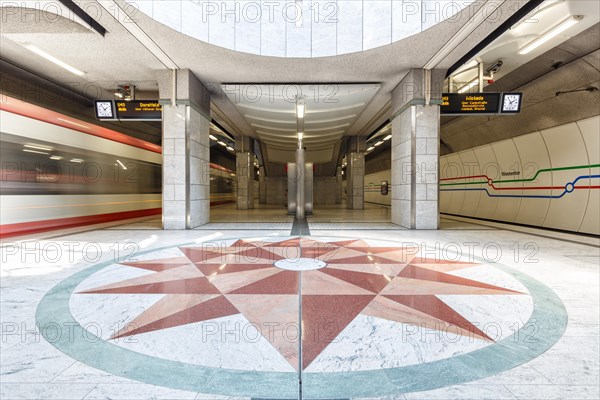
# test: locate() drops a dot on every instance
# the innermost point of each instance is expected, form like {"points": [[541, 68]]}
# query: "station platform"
{"points": [[475, 310]]}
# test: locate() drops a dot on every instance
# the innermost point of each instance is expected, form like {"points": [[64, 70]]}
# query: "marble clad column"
{"points": [[244, 171], [415, 150], [186, 172], [355, 180], [340, 186], [262, 186]]}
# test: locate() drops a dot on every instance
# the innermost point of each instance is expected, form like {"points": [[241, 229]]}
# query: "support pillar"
{"points": [[415, 149], [186, 172], [339, 194], [300, 203], [262, 186], [244, 171], [355, 182]]}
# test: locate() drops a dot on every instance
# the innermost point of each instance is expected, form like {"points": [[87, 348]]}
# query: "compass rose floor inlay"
{"points": [[250, 313]]}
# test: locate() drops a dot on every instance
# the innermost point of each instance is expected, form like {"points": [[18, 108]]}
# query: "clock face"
{"points": [[104, 109], [511, 103]]}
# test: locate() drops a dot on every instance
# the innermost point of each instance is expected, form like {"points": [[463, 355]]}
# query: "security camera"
{"points": [[494, 68]]}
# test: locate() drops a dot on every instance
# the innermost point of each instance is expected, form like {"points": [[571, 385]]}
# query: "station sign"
{"points": [[480, 103], [139, 110], [134, 110]]}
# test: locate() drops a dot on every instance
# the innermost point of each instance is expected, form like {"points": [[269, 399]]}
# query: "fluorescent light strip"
{"points": [[31, 146], [300, 110], [53, 59], [35, 151], [300, 135], [547, 4], [468, 27], [212, 137], [557, 30], [121, 164], [388, 137]]}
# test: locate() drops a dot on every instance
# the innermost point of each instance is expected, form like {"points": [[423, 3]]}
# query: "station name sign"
{"points": [[481, 103], [133, 110]]}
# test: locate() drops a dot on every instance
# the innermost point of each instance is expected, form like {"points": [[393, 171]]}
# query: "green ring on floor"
{"points": [[549, 316]]}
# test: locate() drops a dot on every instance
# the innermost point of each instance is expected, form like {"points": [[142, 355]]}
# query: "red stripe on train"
{"points": [[29, 110], [26, 228]]}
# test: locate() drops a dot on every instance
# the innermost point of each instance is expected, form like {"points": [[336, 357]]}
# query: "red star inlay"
{"points": [[385, 282]]}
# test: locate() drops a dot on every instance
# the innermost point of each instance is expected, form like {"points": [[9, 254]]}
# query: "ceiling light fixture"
{"points": [[52, 59], [120, 163], [371, 148], [56, 158], [212, 137], [378, 143], [31, 146], [222, 143], [529, 18], [553, 32], [77, 160], [229, 148], [300, 135], [388, 137], [35, 151], [300, 109]]}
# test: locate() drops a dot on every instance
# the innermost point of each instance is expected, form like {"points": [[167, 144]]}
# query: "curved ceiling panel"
{"points": [[330, 111], [300, 28]]}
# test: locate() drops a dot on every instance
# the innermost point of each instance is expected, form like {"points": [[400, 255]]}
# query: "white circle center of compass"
{"points": [[300, 264]]}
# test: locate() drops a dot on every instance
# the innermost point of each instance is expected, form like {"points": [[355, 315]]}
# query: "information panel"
{"points": [[470, 103], [139, 110]]}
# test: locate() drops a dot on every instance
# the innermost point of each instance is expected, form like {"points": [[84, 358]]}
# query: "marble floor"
{"points": [[357, 310]]}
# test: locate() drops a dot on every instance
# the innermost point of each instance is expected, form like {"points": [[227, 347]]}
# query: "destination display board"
{"points": [[481, 103], [470, 103], [139, 110], [134, 110]]}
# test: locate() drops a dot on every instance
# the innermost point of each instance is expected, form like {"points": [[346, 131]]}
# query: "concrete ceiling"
{"points": [[542, 19], [572, 65], [330, 110], [119, 57]]}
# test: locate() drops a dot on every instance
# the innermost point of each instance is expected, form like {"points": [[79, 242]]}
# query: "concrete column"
{"points": [[355, 181], [339, 194], [186, 172], [244, 161], [245, 180], [300, 183], [415, 149], [262, 186]]}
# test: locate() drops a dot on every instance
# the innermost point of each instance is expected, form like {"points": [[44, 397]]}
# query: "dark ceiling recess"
{"points": [[225, 131], [376, 131], [84, 16], [516, 17]]}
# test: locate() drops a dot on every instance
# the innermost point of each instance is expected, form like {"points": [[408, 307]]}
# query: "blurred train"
{"points": [[59, 172]]}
